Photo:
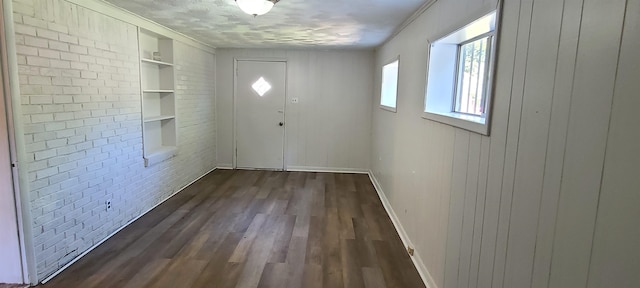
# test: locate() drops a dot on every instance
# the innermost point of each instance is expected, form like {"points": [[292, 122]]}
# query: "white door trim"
{"points": [[235, 108]]}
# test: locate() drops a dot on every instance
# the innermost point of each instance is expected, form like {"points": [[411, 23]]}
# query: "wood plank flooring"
{"points": [[250, 229]]}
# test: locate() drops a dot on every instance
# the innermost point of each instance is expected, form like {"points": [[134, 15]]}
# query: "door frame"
{"points": [[10, 92], [235, 106]]}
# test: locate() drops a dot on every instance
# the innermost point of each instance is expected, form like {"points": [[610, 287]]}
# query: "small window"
{"points": [[389, 89], [459, 76], [473, 57]]}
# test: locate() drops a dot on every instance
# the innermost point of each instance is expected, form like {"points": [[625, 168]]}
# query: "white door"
{"points": [[260, 100]]}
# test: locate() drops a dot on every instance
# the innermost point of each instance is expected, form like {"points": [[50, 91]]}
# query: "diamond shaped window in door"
{"points": [[261, 86]]}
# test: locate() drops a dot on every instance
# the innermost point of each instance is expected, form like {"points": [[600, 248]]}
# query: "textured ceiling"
{"points": [[291, 23]]}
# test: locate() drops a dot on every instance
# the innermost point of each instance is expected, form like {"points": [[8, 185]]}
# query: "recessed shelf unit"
{"points": [[157, 77]]}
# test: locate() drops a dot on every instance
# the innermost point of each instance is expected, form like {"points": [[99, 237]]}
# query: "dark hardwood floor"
{"points": [[255, 229]]}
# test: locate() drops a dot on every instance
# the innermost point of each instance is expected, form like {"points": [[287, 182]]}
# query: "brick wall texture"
{"points": [[81, 116]]}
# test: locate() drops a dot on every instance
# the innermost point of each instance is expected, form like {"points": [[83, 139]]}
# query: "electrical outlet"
{"points": [[108, 205], [410, 251], [294, 100]]}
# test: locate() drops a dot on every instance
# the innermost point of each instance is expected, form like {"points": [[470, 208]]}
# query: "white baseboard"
{"points": [[118, 230], [225, 167], [326, 169], [417, 260]]}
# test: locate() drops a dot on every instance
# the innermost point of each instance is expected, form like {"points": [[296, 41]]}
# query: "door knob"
{"points": [[281, 124]]}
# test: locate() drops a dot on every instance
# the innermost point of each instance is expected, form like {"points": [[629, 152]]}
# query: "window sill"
{"points": [[159, 154], [390, 109], [471, 123]]}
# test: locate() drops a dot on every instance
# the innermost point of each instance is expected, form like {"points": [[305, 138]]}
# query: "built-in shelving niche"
{"points": [[158, 97]]}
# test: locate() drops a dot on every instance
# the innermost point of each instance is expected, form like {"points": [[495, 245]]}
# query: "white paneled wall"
{"points": [[551, 198], [81, 117], [615, 257], [423, 165], [329, 128]]}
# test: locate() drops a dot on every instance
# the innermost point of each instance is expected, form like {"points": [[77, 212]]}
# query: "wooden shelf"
{"points": [[157, 91], [159, 118], [156, 62]]}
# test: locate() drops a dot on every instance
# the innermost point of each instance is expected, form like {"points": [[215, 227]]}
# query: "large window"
{"points": [[460, 74], [389, 89]]}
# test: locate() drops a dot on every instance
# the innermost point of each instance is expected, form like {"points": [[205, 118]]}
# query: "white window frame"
{"points": [[443, 72], [382, 82], [457, 95]]}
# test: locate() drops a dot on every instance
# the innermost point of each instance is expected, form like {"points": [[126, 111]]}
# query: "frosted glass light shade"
{"points": [[255, 7]]}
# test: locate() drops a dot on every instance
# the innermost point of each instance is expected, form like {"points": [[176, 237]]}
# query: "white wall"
{"points": [[550, 199], [80, 114], [615, 257], [421, 165], [330, 126], [10, 261]]}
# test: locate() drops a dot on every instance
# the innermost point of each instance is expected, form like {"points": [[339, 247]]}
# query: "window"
{"points": [[459, 76], [472, 71], [389, 89], [261, 86]]}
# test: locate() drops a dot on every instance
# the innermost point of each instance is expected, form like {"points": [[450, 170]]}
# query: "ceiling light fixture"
{"points": [[256, 7]]}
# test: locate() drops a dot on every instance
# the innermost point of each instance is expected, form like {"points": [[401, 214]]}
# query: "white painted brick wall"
{"points": [[80, 98]]}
